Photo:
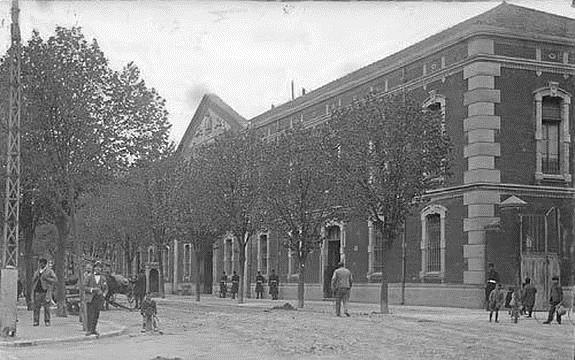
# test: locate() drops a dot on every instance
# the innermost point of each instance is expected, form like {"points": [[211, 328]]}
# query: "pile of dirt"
{"points": [[286, 306]]}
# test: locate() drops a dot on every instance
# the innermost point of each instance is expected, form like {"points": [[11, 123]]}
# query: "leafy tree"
{"points": [[389, 152], [298, 188], [80, 126], [233, 164], [195, 218]]}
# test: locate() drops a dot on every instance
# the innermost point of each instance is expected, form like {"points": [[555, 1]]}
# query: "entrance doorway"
{"points": [[154, 281], [333, 257]]}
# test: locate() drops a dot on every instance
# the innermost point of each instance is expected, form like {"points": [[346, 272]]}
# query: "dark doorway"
{"points": [[333, 258], [154, 281], [208, 272]]}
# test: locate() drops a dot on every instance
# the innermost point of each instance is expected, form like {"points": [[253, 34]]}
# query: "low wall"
{"points": [[453, 295]]}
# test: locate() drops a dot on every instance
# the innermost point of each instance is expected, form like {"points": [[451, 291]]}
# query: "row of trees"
{"points": [[373, 160], [97, 164], [84, 124]]}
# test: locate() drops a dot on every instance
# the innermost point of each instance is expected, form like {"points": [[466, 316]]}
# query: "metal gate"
{"points": [[539, 252]]}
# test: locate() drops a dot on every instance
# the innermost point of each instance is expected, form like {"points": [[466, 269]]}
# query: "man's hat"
{"points": [[555, 278]]}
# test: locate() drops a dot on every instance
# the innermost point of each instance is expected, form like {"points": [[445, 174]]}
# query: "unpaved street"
{"points": [[219, 329]]}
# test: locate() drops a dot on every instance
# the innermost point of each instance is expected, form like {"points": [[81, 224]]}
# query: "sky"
{"points": [[247, 52]]}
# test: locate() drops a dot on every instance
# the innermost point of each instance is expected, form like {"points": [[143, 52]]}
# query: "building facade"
{"points": [[504, 81]]}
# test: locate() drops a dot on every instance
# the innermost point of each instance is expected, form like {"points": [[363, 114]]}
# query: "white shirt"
{"points": [[97, 278]]}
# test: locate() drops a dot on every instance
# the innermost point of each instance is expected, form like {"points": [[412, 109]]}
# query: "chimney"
{"points": [[273, 106], [292, 90], [302, 91]]}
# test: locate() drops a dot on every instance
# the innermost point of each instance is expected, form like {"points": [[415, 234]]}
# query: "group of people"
{"points": [[521, 300], [273, 285], [95, 288]]}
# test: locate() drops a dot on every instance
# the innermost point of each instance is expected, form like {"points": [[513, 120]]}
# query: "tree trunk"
{"points": [[62, 226], [300, 284], [161, 271], [198, 278], [383, 296], [28, 263], [242, 272]]}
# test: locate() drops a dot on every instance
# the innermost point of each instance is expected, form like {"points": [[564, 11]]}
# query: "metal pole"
{"points": [[403, 265], [9, 246]]}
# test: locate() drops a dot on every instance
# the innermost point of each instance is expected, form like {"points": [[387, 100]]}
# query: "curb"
{"points": [[25, 343]]}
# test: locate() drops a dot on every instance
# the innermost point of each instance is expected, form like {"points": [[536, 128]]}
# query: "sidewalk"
{"points": [[62, 329]]}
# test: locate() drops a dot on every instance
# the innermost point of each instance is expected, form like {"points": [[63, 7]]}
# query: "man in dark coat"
{"points": [[140, 288], [95, 289], [43, 282], [235, 284], [223, 285], [528, 297], [555, 298], [273, 284], [260, 280], [492, 280]]}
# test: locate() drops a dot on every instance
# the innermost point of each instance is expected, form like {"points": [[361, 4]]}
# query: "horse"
{"points": [[118, 284]]}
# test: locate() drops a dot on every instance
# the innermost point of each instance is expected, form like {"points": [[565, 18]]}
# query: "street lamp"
{"points": [[514, 204]]}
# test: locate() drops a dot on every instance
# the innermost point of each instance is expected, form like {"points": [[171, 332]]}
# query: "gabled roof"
{"points": [[218, 106], [502, 19]]}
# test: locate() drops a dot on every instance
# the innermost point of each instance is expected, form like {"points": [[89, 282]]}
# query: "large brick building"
{"points": [[504, 81]]}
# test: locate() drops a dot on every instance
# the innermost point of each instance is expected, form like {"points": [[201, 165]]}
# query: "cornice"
{"points": [[531, 190]]}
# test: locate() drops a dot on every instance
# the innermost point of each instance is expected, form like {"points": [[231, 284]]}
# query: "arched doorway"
{"points": [[332, 248], [154, 277]]}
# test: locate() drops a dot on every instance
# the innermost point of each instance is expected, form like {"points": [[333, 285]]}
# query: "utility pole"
{"points": [[9, 270]]}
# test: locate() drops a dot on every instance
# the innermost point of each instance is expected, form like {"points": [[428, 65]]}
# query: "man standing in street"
{"points": [[260, 285], [223, 285], [95, 288], [341, 282], [273, 284], [492, 280], [42, 286], [555, 298], [140, 288], [528, 300], [235, 284]]}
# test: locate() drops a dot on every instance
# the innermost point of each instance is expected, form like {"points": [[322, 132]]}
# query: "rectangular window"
{"points": [[551, 123], [166, 262], [187, 261], [378, 249], [263, 253], [433, 229]]}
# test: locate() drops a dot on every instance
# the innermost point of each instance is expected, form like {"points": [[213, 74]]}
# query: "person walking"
{"points": [[95, 289], [148, 311], [496, 301], [260, 280], [555, 298], [274, 284], [492, 280], [235, 284], [528, 299], [43, 282], [341, 283], [223, 285]]}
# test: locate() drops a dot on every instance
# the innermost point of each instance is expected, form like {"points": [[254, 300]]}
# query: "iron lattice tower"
{"points": [[12, 200]]}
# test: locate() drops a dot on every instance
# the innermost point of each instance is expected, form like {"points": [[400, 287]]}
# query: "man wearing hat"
{"points": [[341, 282], [492, 280], [555, 298], [42, 286], [95, 289]]}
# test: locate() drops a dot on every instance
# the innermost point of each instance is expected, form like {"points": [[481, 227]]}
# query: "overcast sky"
{"points": [[247, 52]]}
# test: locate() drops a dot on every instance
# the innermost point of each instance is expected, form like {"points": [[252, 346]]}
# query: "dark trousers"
{"points": [[39, 302], [341, 297], [93, 313], [552, 311]]}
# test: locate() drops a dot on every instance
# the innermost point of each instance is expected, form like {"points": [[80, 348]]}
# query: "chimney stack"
{"points": [[292, 90], [302, 91]]}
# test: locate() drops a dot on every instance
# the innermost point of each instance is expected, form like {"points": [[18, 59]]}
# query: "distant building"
{"points": [[504, 81]]}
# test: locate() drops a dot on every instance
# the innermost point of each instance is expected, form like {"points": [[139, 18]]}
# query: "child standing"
{"points": [[496, 301], [515, 304], [148, 311]]}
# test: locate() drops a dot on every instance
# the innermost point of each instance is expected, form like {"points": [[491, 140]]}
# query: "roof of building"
{"points": [[214, 103], [502, 19]]}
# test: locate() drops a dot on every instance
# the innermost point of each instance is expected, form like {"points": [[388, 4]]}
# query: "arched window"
{"points": [[436, 102], [263, 253], [552, 132], [151, 254], [433, 242]]}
